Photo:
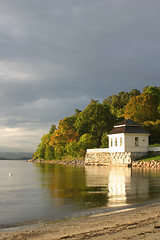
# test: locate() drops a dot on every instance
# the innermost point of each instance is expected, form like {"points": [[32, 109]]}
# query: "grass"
{"points": [[155, 145], [150, 158]]}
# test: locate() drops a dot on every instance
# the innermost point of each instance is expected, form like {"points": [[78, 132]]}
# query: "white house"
{"points": [[127, 142], [128, 136]]}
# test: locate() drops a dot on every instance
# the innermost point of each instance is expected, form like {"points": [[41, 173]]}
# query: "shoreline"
{"points": [[142, 222], [134, 164], [71, 162]]}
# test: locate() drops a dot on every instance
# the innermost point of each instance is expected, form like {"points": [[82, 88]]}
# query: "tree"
{"points": [[40, 152], [87, 141], [77, 112], [94, 119], [44, 151], [52, 129], [118, 102], [104, 141], [72, 149], [154, 129], [143, 107], [153, 90], [63, 135]]}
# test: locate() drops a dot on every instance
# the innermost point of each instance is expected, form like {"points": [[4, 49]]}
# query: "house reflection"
{"points": [[118, 183], [114, 181]]}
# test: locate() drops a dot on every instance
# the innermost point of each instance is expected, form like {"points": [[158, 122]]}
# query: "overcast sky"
{"points": [[55, 55]]}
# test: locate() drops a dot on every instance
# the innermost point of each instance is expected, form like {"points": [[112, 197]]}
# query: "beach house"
{"points": [[127, 141], [128, 136]]}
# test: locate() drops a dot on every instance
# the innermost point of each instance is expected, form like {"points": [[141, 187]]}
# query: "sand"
{"points": [[136, 223]]}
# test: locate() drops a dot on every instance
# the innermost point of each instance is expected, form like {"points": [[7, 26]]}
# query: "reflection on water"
{"points": [[119, 181], [94, 186], [114, 180], [52, 191], [64, 183]]}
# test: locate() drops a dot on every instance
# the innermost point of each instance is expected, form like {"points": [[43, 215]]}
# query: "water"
{"points": [[50, 192]]}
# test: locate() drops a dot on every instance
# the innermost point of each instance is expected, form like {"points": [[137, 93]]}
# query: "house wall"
{"points": [[127, 143], [119, 139], [130, 142]]}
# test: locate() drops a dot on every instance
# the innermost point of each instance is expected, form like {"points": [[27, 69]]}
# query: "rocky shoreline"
{"points": [[139, 164], [75, 162], [146, 164]]}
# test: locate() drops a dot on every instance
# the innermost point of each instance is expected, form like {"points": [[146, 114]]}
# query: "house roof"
{"points": [[128, 126], [128, 122]]}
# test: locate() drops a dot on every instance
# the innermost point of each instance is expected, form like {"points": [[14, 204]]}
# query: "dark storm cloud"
{"points": [[56, 55]]}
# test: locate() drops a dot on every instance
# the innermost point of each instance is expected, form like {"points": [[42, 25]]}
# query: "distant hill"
{"points": [[15, 156]]}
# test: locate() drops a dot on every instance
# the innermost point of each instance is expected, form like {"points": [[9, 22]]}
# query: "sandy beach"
{"points": [[135, 223]]}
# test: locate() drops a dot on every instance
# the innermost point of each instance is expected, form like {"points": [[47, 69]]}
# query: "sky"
{"points": [[57, 55]]}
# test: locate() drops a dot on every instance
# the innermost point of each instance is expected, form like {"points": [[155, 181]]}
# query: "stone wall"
{"points": [[98, 158], [106, 158], [137, 155], [155, 153]]}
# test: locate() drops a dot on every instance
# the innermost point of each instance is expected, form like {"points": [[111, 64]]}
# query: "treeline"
{"points": [[88, 128]]}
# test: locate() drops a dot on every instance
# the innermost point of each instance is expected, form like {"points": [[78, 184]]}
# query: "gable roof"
{"points": [[128, 126]]}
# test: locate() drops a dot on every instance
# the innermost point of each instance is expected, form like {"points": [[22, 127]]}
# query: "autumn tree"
{"points": [[143, 107], [65, 134], [118, 102]]}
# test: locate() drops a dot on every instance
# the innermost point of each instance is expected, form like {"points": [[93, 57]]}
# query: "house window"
{"points": [[136, 141], [111, 142], [121, 142], [115, 142]]}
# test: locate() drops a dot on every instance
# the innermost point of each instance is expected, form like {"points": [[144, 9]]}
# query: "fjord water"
{"points": [[37, 191]]}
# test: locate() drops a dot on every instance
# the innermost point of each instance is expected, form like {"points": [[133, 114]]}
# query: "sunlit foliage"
{"points": [[88, 128]]}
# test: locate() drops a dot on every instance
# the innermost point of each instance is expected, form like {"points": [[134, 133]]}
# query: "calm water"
{"points": [[48, 191]]}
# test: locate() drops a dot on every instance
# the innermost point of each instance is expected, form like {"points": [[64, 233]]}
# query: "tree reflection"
{"points": [[63, 182], [93, 186]]}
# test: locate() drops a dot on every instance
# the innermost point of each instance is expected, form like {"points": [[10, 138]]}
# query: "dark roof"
{"points": [[128, 126], [128, 122]]}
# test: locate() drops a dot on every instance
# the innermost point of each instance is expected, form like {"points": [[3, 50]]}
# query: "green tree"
{"points": [[94, 120], [49, 152], [154, 129], [153, 90], [77, 112], [104, 140], [44, 151], [87, 141], [52, 129], [72, 149]]}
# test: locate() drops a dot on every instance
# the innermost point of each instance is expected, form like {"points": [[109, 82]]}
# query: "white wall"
{"points": [[116, 138], [155, 149], [97, 150]]}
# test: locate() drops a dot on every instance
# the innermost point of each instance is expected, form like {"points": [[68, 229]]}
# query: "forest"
{"points": [[88, 128]]}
